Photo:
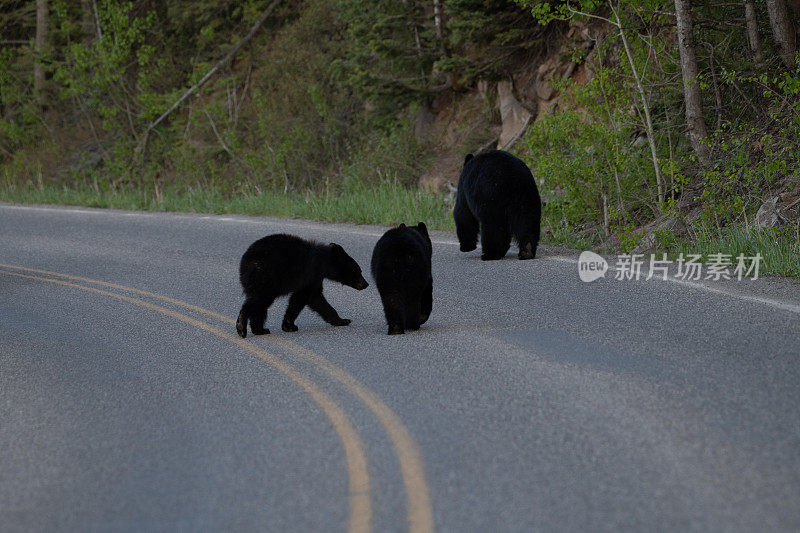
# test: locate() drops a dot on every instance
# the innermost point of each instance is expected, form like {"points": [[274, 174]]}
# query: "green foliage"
{"points": [[392, 50], [584, 160], [750, 161], [389, 165], [546, 12], [19, 124], [756, 143], [113, 74], [395, 57], [628, 237], [485, 37]]}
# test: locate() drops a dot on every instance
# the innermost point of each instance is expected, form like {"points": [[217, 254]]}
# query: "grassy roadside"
{"points": [[390, 203], [779, 246], [387, 203]]}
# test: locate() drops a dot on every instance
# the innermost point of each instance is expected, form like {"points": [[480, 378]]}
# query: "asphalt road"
{"points": [[530, 401]]}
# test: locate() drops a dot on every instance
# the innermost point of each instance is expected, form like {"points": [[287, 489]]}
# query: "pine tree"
{"points": [[485, 36], [392, 53]]}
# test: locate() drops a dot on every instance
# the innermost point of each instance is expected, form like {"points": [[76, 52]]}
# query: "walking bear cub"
{"points": [[401, 267], [498, 196], [282, 264]]}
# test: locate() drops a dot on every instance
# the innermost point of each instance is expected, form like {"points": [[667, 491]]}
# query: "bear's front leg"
{"points": [[297, 302], [320, 305]]}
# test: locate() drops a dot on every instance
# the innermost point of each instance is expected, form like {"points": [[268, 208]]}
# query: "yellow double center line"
{"points": [[418, 506]]}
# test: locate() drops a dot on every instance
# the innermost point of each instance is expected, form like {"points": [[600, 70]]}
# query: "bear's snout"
{"points": [[362, 284]]}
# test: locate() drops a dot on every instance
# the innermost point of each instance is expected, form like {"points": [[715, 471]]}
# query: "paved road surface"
{"points": [[530, 401]]}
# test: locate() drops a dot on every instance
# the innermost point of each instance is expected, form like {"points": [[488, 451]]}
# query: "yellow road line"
{"points": [[420, 512], [360, 502]]}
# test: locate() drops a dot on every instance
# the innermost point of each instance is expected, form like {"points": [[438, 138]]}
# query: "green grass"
{"points": [[387, 203], [779, 247], [558, 235]]}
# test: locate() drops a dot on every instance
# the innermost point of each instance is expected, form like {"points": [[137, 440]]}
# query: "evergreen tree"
{"points": [[485, 36], [392, 53]]}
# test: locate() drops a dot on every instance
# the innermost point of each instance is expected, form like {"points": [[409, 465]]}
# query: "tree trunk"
{"points": [[698, 134], [438, 24], [87, 20], [40, 43], [782, 30], [752, 32], [648, 122]]}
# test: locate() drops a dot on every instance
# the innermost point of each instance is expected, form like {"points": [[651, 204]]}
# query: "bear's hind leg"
{"points": [[413, 312], [394, 309], [320, 305], [527, 249], [241, 323], [427, 302], [467, 226], [528, 239], [495, 242], [254, 310]]}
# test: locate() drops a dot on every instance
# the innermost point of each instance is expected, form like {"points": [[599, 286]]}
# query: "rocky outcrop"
{"points": [[514, 117], [659, 228], [778, 210], [459, 127], [460, 124]]}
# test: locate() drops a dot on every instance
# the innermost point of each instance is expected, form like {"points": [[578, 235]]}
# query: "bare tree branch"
{"points": [[222, 62]]}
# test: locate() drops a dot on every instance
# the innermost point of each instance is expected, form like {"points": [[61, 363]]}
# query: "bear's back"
{"points": [[280, 263], [496, 179], [401, 253]]}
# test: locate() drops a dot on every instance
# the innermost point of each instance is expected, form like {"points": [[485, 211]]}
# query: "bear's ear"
{"points": [[335, 247], [402, 225], [422, 227], [468, 158]]}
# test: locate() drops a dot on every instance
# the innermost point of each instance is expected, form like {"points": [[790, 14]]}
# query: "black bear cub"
{"points": [[401, 267], [282, 264], [498, 196]]}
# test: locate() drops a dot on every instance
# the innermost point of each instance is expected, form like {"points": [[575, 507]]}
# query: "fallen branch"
{"points": [[222, 62], [219, 137], [518, 136]]}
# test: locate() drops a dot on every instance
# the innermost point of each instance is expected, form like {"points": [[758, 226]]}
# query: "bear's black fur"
{"points": [[282, 264], [497, 194], [401, 267]]}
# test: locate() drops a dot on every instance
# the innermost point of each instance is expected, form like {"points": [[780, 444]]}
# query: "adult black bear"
{"points": [[282, 264], [401, 267], [497, 194]]}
